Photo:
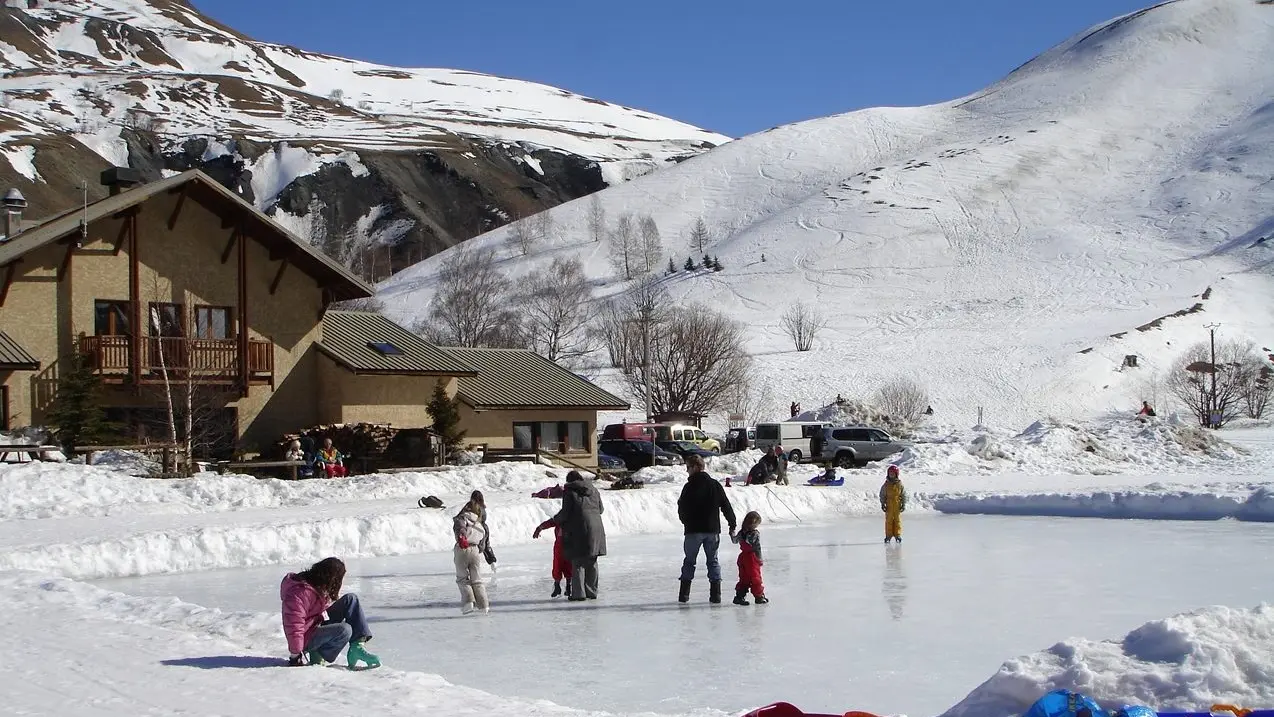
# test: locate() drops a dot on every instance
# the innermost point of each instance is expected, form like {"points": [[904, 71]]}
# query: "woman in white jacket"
{"points": [[470, 527]]}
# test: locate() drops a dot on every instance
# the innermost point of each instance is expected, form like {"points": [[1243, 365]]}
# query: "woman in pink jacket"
{"points": [[319, 622]]}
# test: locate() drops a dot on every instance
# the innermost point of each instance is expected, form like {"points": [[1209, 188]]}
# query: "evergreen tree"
{"points": [[445, 413], [707, 261], [77, 414], [716, 264], [672, 268], [690, 263]]}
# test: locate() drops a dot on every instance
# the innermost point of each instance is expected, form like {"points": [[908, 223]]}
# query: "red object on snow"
{"points": [[786, 709], [551, 492]]}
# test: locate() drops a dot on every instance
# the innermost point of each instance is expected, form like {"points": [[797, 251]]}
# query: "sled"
{"points": [[820, 483], [1064, 703], [786, 709]]}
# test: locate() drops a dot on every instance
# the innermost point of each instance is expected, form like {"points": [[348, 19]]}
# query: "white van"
{"points": [[794, 436]]}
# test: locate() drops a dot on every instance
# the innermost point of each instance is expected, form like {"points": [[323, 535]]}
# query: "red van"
{"points": [[635, 432]]}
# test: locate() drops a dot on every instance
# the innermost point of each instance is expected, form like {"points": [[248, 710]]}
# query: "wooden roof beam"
{"points": [[10, 269]]}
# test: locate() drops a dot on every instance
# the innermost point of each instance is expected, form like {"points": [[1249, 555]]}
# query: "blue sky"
{"points": [[734, 67]]}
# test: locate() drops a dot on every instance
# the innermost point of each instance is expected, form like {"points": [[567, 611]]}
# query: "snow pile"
{"points": [[128, 462], [1183, 663], [1101, 447], [853, 412], [1157, 501]]}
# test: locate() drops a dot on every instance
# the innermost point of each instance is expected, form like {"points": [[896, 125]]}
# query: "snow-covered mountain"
{"points": [[1008, 248], [342, 150]]}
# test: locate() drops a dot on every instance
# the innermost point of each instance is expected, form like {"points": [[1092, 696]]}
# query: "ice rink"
{"points": [[901, 628]]}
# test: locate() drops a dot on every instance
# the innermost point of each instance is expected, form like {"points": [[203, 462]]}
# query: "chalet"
{"points": [[182, 282]]}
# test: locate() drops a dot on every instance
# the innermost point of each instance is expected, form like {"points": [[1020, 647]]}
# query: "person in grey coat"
{"points": [[583, 534]]}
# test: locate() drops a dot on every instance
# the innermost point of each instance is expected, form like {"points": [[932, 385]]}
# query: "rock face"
{"points": [[379, 166]]}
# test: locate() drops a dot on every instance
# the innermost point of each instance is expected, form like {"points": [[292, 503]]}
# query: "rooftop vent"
{"points": [[120, 179], [14, 203]]}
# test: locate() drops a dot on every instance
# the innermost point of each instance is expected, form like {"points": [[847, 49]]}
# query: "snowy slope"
{"points": [[982, 244], [91, 66]]}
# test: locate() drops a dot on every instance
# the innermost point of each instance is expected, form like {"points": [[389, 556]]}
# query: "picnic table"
{"points": [[33, 451], [292, 466]]}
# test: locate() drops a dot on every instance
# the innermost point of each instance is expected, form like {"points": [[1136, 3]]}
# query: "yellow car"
{"points": [[682, 432]]}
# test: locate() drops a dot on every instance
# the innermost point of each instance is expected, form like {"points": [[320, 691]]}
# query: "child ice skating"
{"points": [[750, 562], [893, 501], [561, 566], [319, 622], [470, 528]]}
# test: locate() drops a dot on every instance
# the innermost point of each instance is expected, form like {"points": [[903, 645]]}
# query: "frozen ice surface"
{"points": [[853, 623]]}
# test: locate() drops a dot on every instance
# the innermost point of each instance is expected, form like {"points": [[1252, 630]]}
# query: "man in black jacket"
{"points": [[703, 501]]}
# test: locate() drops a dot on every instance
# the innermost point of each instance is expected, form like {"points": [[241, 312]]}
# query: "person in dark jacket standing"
{"points": [[700, 507], [817, 441], [583, 534]]}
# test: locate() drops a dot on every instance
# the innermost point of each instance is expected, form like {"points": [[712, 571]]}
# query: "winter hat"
{"points": [[893, 471]]}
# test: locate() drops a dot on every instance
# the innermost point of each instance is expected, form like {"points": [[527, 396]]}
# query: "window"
{"points": [[110, 318], [810, 431], [384, 348], [700, 436], [549, 435], [879, 437], [212, 322], [166, 320], [767, 432], [841, 434]]}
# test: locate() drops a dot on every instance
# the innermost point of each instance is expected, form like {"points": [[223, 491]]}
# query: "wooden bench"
{"points": [[292, 466], [31, 450]]}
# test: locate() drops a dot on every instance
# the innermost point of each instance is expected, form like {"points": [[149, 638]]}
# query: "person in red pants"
{"points": [[750, 562], [331, 460], [561, 566]]}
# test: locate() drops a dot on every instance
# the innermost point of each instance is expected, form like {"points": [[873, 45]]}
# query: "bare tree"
{"points": [[625, 253], [902, 399], [523, 235], [694, 362], [370, 304], [652, 247], [1258, 385], [1213, 392], [1153, 389], [802, 323], [543, 226], [699, 235], [596, 219], [556, 306], [472, 304], [625, 323], [752, 399]]}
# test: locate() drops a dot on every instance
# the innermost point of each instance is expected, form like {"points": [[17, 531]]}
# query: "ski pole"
{"points": [[785, 505]]}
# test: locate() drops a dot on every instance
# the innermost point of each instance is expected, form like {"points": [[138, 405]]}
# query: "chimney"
{"points": [[120, 179], [14, 203]]}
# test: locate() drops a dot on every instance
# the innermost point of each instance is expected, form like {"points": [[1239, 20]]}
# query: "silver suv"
{"points": [[850, 446]]}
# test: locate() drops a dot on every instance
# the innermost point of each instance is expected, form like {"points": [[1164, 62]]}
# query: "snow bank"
{"points": [[1185, 663], [1253, 502]]}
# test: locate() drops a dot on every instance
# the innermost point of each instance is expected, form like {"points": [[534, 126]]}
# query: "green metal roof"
{"points": [[349, 338], [517, 378], [13, 356]]}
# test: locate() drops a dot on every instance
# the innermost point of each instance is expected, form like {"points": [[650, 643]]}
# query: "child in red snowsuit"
{"points": [[750, 562], [561, 566]]}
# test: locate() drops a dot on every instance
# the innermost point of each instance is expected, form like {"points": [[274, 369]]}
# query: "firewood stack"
{"points": [[362, 440]]}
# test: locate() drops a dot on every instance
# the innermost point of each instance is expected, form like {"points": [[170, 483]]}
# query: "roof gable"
{"points": [[334, 277], [518, 378], [367, 342]]}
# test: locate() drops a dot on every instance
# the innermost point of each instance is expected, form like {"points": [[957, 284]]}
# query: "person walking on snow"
{"points": [[319, 622], [893, 501], [702, 503], [472, 537], [750, 561], [561, 566], [583, 534]]}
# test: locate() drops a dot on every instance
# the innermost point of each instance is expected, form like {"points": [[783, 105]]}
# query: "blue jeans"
{"points": [[710, 542], [345, 623]]}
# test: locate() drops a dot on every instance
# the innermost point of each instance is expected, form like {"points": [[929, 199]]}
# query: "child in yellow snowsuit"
{"points": [[893, 501]]}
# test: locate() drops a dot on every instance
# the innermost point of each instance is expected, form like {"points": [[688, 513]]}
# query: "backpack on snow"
{"points": [[430, 501]]}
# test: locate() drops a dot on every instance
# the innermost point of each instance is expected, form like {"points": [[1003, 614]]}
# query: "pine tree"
{"points": [[77, 413], [672, 268], [690, 263], [716, 264], [445, 413], [707, 261]]}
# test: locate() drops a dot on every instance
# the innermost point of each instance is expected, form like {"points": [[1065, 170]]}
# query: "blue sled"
{"points": [[1064, 703], [818, 482]]}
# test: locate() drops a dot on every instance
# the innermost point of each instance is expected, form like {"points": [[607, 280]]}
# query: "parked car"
{"points": [[794, 436], [740, 439], [607, 462], [686, 448], [639, 454], [852, 446], [681, 432], [636, 432]]}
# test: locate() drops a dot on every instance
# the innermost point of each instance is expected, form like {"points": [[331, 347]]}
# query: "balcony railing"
{"points": [[207, 359]]}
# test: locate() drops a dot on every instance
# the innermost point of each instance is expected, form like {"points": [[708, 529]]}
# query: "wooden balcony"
{"points": [[208, 360]]}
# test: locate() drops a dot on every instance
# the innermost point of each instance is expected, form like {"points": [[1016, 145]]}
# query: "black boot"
{"points": [[740, 596], [684, 594], [762, 600], [557, 588], [714, 591]]}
